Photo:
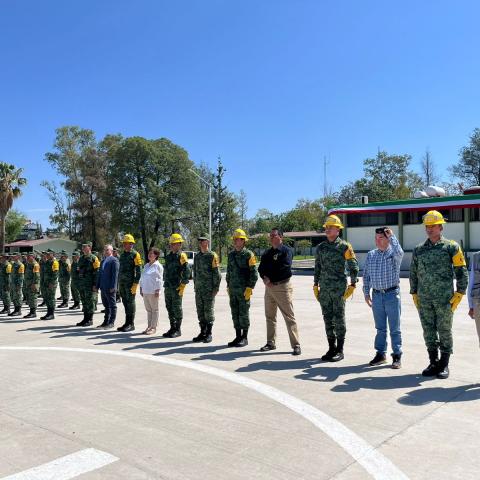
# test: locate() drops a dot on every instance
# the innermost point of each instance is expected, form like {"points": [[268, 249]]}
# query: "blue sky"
{"points": [[270, 85]]}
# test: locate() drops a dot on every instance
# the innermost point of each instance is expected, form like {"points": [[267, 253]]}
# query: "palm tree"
{"points": [[11, 182]]}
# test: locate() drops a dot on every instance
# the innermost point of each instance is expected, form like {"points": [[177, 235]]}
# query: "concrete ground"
{"points": [[159, 408]]}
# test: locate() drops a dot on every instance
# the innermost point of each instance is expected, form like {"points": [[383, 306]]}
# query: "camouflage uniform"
{"points": [[5, 280], [87, 271], [432, 271], [74, 282], [206, 278], [64, 274], [176, 272], [32, 286], [16, 284], [50, 278], [24, 288], [42, 262], [128, 278], [331, 261], [241, 274]]}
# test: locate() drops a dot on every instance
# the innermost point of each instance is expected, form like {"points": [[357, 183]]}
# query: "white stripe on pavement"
{"points": [[376, 464], [67, 467]]}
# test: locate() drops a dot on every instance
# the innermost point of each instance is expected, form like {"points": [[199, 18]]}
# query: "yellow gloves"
{"points": [[247, 293], [133, 290], [316, 291], [349, 291], [415, 299], [455, 300], [181, 288]]}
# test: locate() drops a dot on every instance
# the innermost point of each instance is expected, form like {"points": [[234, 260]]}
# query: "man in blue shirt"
{"points": [[381, 273], [107, 282]]}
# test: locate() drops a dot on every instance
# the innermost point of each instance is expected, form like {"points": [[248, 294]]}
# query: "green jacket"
{"points": [[32, 275], [333, 262], [435, 266], [87, 270], [5, 274], [176, 270], [50, 272], [74, 273], [18, 271], [130, 268], [206, 271], [64, 271], [241, 269]]}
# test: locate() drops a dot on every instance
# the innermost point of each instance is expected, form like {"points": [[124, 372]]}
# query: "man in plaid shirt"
{"points": [[381, 274]]}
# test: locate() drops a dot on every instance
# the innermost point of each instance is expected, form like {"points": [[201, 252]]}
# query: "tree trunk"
{"points": [[2, 232]]}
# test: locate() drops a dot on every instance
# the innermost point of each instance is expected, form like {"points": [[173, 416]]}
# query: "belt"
{"points": [[391, 289], [281, 281]]}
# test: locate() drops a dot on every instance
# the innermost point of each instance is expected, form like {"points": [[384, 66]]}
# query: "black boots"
{"points": [[87, 320], [238, 337], [208, 333], [49, 315], [331, 350], [128, 326], [5, 310], [64, 304], [75, 306], [174, 330], [16, 311], [243, 339], [201, 336], [32, 314], [432, 368], [338, 351], [443, 371]]}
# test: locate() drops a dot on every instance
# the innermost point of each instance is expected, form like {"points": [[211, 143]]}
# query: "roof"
{"points": [[412, 204], [32, 243]]}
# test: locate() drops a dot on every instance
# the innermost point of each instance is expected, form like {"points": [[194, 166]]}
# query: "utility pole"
{"points": [[209, 185]]}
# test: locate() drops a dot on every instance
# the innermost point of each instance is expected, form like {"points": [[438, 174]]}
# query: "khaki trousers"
{"points": [[280, 297], [151, 306], [476, 315]]}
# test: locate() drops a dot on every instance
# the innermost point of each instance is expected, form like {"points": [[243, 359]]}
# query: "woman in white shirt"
{"points": [[150, 288]]}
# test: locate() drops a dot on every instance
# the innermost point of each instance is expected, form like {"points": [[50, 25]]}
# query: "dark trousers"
{"points": [[109, 301]]}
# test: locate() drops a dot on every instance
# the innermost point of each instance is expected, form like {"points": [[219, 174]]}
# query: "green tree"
{"points": [[11, 183], [259, 243], [304, 244], [467, 169], [14, 223], [242, 209], [307, 215], [264, 221]]}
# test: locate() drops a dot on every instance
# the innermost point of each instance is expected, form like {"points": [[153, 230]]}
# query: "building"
{"points": [[405, 218], [56, 244]]}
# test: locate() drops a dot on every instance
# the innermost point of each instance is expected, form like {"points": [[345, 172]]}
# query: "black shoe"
{"points": [[32, 314], [63, 305], [41, 305], [443, 371], [234, 342], [243, 342], [208, 333], [331, 350], [14, 312], [267, 347], [297, 350], [201, 336], [339, 351], [378, 359], [176, 333], [397, 361], [49, 315], [75, 306], [169, 332], [5, 310], [108, 326], [128, 328], [432, 368], [84, 322], [102, 325]]}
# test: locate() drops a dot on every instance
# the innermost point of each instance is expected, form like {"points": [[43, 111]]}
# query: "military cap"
{"points": [[43, 252], [49, 250], [87, 244], [203, 236], [76, 253], [63, 252]]}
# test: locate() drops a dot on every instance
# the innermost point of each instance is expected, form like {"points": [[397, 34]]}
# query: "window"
{"points": [[474, 214], [451, 215], [372, 219]]}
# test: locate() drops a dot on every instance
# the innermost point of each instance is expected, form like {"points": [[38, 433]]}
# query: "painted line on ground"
{"points": [[376, 464], [67, 467]]}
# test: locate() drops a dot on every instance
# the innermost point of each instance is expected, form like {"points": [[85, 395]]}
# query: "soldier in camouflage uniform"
{"points": [[176, 274], [128, 279], [74, 281], [23, 259], [330, 285], [242, 275], [435, 264], [206, 279], [5, 280], [87, 271], [32, 284], [50, 276], [64, 278], [43, 259], [16, 284]]}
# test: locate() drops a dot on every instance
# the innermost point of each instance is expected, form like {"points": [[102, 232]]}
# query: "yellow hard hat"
{"points": [[239, 233], [433, 217], [175, 238], [127, 238], [333, 221]]}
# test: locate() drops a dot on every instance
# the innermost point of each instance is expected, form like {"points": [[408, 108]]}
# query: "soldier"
{"points": [[128, 278], [74, 281], [176, 276], [23, 259], [43, 259], [5, 276], [242, 275], [16, 284], [435, 264], [206, 279], [32, 284], [87, 269], [64, 273], [50, 276], [115, 254], [330, 285]]}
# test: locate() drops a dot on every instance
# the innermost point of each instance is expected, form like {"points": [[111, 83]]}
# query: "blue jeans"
{"points": [[109, 301], [387, 306]]}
